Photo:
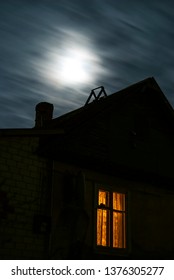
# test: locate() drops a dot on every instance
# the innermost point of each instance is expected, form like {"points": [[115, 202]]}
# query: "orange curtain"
{"points": [[117, 210], [119, 220], [103, 219]]}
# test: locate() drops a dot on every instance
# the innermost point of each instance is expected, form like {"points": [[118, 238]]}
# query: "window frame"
{"points": [[108, 249]]}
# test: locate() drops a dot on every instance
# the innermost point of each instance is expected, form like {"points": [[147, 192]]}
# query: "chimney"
{"points": [[44, 113]]}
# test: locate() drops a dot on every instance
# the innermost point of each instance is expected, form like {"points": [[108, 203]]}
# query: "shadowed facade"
{"points": [[95, 183]]}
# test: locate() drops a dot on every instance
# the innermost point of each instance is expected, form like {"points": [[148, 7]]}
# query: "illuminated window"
{"points": [[111, 230]]}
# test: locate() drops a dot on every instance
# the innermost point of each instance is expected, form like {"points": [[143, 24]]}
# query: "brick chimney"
{"points": [[44, 113]]}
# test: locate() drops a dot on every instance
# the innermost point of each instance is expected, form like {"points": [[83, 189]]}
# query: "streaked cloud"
{"points": [[120, 42]]}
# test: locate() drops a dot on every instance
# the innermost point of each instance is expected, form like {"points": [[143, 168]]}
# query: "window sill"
{"points": [[117, 252]]}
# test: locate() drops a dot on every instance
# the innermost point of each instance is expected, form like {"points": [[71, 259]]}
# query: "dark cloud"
{"points": [[127, 41]]}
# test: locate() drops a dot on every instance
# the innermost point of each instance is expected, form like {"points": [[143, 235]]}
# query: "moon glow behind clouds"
{"points": [[70, 63]]}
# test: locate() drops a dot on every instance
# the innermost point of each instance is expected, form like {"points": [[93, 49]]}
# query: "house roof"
{"points": [[78, 118], [58, 135], [84, 144], [147, 88]]}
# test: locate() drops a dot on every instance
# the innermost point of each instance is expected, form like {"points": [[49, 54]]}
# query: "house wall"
{"points": [[25, 184], [152, 229], [150, 212]]}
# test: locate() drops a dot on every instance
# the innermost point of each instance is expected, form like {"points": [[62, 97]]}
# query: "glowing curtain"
{"points": [[103, 219], [118, 220], [111, 212]]}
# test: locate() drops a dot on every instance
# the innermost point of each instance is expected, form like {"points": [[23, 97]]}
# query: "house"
{"points": [[95, 183]]}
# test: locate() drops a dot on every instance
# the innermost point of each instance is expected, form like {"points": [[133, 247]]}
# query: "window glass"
{"points": [[103, 198], [119, 201], [111, 219], [119, 230], [103, 227]]}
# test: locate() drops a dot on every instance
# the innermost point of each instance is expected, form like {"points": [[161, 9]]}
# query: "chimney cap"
{"points": [[44, 113], [44, 106]]}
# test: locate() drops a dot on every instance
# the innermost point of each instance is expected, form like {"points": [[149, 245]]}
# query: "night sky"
{"points": [[58, 50]]}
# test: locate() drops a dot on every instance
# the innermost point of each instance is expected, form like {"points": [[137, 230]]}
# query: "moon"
{"points": [[71, 63], [74, 67]]}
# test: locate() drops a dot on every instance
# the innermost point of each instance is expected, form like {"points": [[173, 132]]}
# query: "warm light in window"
{"points": [[111, 219]]}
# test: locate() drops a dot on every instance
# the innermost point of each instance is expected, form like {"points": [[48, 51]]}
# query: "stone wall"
{"points": [[25, 189]]}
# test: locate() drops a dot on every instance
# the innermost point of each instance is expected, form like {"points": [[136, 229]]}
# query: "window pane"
{"points": [[103, 198], [119, 201], [119, 236], [102, 227]]}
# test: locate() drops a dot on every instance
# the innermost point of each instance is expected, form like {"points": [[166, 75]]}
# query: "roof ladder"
{"points": [[98, 96]]}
